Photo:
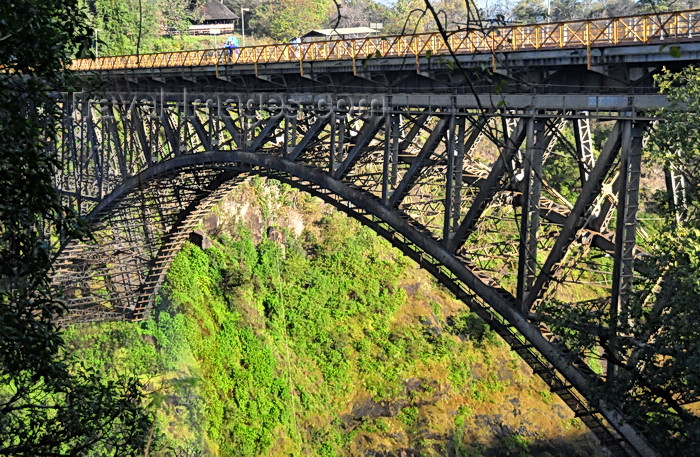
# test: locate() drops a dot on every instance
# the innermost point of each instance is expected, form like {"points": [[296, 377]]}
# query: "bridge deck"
{"points": [[662, 28]]}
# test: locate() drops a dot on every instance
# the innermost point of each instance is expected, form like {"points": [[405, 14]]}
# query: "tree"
{"points": [[613, 8], [284, 20], [126, 26], [676, 140], [656, 359], [453, 12], [356, 13], [408, 16], [667, 300], [528, 12], [49, 405], [178, 14]]}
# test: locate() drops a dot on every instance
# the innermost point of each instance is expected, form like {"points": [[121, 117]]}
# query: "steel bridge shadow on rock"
{"points": [[458, 181]]}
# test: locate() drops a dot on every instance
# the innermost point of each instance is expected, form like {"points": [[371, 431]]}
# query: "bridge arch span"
{"points": [[217, 173], [125, 285]]}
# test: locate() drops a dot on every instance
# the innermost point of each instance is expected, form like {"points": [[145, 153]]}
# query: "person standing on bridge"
{"points": [[296, 42], [231, 46]]}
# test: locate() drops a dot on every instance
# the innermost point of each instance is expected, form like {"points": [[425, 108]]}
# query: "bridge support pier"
{"points": [[625, 237]]}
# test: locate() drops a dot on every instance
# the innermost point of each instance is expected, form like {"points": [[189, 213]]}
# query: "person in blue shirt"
{"points": [[231, 46]]}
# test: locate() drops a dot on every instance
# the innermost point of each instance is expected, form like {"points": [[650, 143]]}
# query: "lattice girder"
{"points": [[145, 170]]}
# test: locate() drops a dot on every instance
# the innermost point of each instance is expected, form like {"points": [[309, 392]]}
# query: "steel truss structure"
{"points": [[468, 194], [472, 152]]}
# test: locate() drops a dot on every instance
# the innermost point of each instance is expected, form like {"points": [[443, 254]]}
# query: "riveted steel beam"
{"points": [[625, 233], [576, 218], [489, 188], [455, 166], [531, 190]]}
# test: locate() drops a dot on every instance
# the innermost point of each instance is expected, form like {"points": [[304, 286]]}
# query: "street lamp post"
{"points": [[243, 24], [96, 50], [215, 32]]}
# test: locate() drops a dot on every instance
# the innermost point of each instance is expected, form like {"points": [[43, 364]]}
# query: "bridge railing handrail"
{"points": [[658, 27]]}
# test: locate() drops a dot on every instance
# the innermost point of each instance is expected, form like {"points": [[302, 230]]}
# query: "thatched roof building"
{"points": [[339, 33], [216, 19], [215, 12]]}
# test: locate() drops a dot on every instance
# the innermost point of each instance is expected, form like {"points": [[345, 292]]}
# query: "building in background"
{"points": [[216, 19], [340, 33]]}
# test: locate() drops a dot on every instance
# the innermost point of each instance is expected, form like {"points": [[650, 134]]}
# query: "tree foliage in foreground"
{"points": [[48, 404], [657, 362], [668, 297]]}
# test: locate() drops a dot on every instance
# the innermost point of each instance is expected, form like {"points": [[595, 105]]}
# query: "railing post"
{"points": [[301, 61], [690, 25], [675, 26], [645, 35], [415, 49], [588, 45], [354, 58], [561, 35]]}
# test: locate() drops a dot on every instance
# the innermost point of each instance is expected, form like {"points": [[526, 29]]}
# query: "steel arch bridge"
{"points": [[448, 159]]}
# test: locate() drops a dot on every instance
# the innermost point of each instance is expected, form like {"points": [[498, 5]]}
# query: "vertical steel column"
{"points": [[391, 154], [214, 125], [337, 126], [584, 145], [333, 162], [98, 155], [625, 233], [290, 133], [245, 126], [458, 167], [453, 191], [531, 189], [181, 133], [395, 144], [83, 152], [676, 187]]}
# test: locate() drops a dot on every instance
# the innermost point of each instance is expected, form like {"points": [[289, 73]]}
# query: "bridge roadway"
{"points": [[444, 150]]}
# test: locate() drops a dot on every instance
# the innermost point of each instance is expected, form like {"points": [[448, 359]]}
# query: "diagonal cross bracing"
{"points": [[574, 221], [402, 167], [489, 188]]}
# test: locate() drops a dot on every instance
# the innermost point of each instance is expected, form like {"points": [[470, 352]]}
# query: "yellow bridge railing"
{"points": [[661, 27]]}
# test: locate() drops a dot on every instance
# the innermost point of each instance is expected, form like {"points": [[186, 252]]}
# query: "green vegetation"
{"points": [[311, 347], [50, 404], [656, 362]]}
